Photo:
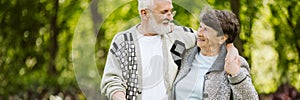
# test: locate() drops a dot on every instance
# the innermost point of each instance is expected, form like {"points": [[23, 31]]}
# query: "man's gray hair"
{"points": [[144, 4]]}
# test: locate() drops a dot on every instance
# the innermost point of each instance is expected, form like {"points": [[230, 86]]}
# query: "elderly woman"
{"points": [[203, 74]]}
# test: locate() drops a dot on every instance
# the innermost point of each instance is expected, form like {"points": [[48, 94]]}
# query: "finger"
{"points": [[228, 58], [227, 61], [238, 61], [225, 67], [236, 56]]}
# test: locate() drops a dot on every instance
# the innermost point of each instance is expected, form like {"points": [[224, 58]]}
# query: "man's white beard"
{"points": [[160, 29]]}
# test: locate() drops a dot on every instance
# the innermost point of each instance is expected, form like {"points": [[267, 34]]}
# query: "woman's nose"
{"points": [[199, 32]]}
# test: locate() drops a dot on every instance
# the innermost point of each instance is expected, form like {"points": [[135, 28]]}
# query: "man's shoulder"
{"points": [[125, 35], [122, 39], [183, 29], [183, 32]]}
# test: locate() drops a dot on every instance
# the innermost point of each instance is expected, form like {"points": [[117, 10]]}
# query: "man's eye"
{"points": [[165, 11]]}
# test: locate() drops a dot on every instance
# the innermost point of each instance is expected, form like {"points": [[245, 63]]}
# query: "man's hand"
{"points": [[119, 96], [232, 52], [232, 67], [232, 61]]}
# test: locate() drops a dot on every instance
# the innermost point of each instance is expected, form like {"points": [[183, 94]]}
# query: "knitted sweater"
{"points": [[123, 70], [218, 85]]}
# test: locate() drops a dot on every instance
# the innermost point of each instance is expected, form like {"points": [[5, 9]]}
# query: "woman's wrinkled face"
{"points": [[207, 37]]}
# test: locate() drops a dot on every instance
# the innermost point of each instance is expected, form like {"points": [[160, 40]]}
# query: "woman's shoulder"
{"points": [[188, 56], [190, 51]]}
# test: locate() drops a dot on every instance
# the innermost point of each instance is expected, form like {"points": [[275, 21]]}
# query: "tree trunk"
{"points": [[96, 17], [53, 39], [235, 7], [294, 28]]}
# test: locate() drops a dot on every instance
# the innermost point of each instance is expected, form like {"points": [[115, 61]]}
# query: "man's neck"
{"points": [[142, 29]]}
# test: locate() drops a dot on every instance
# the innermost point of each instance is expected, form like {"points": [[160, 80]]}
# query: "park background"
{"points": [[44, 44]]}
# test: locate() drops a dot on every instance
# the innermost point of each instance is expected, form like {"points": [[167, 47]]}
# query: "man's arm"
{"points": [[241, 83], [240, 80], [112, 80]]}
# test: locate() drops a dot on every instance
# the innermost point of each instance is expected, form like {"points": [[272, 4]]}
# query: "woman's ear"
{"points": [[223, 39]]}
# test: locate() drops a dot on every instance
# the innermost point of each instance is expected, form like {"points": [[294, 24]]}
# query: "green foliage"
{"points": [[285, 22], [25, 48], [269, 37]]}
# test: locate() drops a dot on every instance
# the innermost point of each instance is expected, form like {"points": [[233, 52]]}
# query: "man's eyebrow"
{"points": [[166, 10]]}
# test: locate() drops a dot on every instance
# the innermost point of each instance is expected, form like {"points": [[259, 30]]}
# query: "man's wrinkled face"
{"points": [[161, 16]]}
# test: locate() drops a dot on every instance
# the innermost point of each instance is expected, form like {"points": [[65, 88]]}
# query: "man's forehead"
{"points": [[162, 1], [163, 4]]}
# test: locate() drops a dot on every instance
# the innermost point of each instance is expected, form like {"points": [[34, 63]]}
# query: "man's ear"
{"points": [[144, 13]]}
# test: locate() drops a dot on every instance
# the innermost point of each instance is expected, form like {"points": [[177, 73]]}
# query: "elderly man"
{"points": [[143, 60]]}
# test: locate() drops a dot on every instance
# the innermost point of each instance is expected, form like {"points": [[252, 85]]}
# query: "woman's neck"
{"points": [[209, 51]]}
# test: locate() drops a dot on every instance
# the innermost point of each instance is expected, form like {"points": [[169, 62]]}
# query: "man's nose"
{"points": [[170, 16]]}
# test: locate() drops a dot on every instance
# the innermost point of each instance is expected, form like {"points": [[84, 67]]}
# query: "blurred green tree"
{"points": [[36, 41], [35, 44]]}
